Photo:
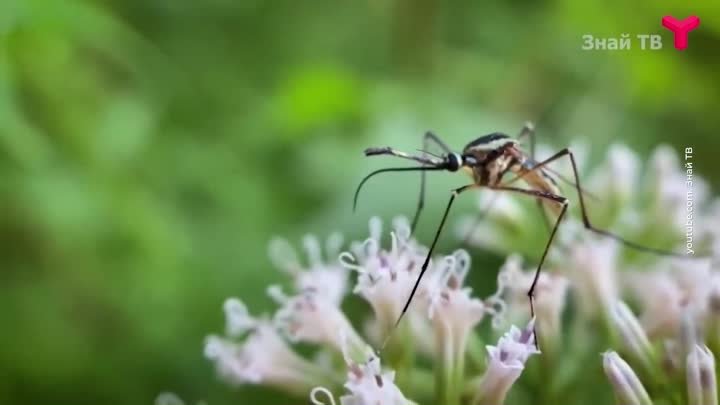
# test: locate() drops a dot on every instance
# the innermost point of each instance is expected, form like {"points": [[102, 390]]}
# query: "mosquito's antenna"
{"points": [[391, 169]]}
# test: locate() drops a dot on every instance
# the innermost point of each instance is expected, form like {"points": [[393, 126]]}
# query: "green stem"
{"points": [[459, 369], [446, 384], [476, 352], [421, 384], [401, 355]]}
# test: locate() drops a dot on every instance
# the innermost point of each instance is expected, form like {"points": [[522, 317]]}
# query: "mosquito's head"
{"points": [[453, 161]]}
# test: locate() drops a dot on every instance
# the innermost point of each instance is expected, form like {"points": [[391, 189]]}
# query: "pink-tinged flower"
{"points": [[262, 357], [701, 381], [311, 317], [625, 383], [386, 277], [661, 300], [591, 267], [506, 362], [451, 309], [550, 297], [677, 288], [367, 384], [237, 318], [453, 314], [323, 274], [618, 176]]}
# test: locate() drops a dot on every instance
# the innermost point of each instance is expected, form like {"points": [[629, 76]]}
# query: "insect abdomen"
{"points": [[540, 180]]}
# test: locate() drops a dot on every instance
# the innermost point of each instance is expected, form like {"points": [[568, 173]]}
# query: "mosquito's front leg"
{"points": [[429, 136], [424, 267]]}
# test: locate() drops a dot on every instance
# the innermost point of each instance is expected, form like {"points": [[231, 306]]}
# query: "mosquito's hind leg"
{"points": [[585, 218], [540, 195], [427, 138]]}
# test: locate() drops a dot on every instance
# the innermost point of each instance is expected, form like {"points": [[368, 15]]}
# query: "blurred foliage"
{"points": [[150, 149]]}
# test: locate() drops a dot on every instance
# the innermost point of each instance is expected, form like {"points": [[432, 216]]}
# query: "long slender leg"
{"points": [[543, 196], [547, 196], [528, 130], [424, 267], [585, 218], [429, 136]]}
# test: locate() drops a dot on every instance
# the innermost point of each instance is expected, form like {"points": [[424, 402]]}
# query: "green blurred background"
{"points": [[150, 149]]}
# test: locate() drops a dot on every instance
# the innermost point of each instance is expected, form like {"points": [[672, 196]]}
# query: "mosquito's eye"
{"points": [[454, 161]]}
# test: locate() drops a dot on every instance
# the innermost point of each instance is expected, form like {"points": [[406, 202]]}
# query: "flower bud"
{"points": [[625, 383], [701, 383], [632, 334]]}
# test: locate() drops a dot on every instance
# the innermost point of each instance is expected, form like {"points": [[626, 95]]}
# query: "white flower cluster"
{"points": [[678, 298], [651, 210], [440, 322], [258, 350], [670, 343]]}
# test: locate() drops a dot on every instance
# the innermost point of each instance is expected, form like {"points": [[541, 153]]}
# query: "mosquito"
{"points": [[487, 160]]}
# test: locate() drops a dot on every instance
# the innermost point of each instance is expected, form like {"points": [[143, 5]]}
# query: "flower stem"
{"points": [[401, 354], [448, 378]]}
